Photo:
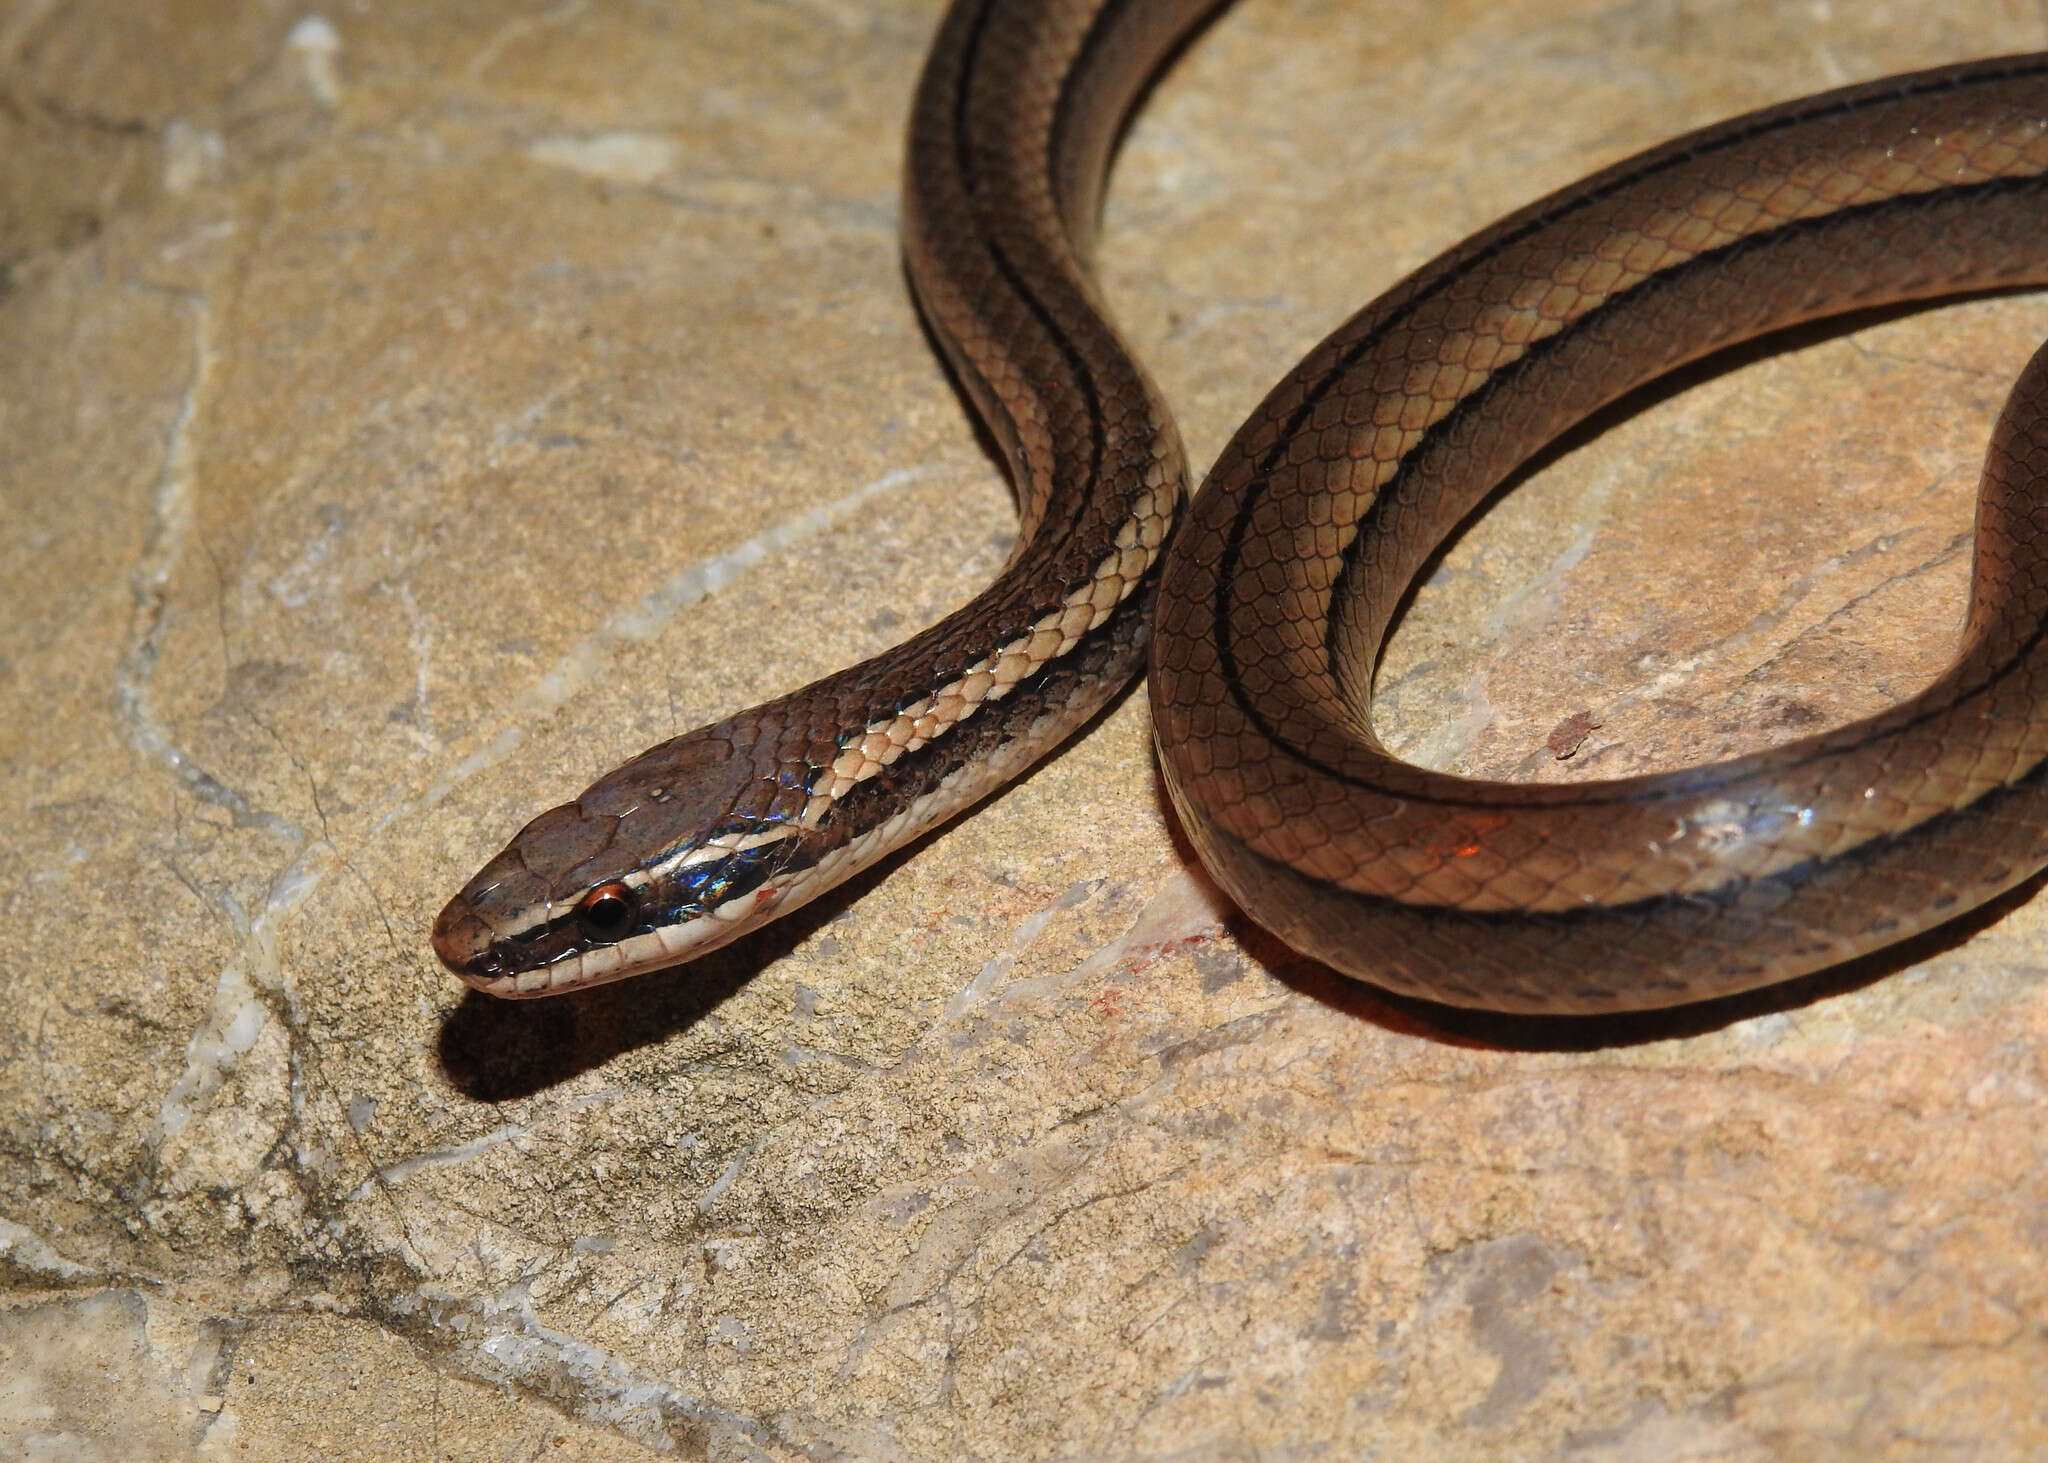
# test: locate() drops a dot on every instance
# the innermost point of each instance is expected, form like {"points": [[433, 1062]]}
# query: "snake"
{"points": [[1260, 605]]}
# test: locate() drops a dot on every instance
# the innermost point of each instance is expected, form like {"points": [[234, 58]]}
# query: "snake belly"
{"points": [[1275, 595]]}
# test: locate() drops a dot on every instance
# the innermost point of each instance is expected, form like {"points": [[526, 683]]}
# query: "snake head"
{"points": [[672, 855]]}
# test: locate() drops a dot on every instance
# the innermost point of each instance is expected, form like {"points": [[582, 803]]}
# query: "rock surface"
{"points": [[408, 412]]}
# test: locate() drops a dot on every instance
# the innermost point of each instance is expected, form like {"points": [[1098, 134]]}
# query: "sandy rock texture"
{"points": [[407, 412]]}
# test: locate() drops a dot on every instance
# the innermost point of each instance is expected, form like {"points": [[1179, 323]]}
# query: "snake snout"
{"points": [[464, 942]]}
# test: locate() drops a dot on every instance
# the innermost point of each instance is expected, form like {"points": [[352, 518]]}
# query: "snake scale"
{"points": [[1262, 607]]}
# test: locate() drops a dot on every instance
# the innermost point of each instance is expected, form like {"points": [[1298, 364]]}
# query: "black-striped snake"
{"points": [[1275, 591]]}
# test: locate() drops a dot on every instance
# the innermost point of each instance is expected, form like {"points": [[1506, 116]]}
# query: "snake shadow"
{"points": [[495, 1050]]}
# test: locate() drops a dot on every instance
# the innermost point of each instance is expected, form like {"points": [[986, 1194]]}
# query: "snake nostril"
{"points": [[457, 934]]}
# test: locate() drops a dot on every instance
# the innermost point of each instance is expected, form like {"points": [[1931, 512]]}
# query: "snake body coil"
{"points": [[1276, 593]]}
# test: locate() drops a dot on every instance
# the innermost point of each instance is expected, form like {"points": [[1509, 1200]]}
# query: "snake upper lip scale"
{"points": [[1275, 592]]}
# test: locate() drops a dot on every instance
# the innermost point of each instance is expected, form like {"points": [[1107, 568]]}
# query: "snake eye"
{"points": [[607, 910]]}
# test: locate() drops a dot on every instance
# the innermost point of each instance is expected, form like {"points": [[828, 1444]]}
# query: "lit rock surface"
{"points": [[408, 412]]}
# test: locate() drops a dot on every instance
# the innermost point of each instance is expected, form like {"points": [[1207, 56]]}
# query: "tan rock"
{"points": [[408, 412]]}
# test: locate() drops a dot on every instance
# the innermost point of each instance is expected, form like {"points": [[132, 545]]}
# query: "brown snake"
{"points": [[1278, 588]]}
